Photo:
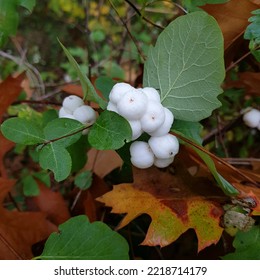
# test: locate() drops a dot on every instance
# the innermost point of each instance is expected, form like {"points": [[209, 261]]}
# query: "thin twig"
{"points": [[215, 157], [128, 31], [143, 17], [40, 102]]}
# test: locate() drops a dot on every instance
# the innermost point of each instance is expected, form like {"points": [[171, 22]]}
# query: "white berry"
{"points": [[153, 117], [136, 129], [152, 94], [72, 102], [164, 146], [141, 154], [166, 126], [85, 114], [64, 112], [132, 105], [68, 116], [112, 107], [252, 118], [118, 91], [163, 162]]}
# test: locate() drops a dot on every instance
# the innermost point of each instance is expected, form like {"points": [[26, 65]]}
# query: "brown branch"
{"points": [[40, 102], [128, 31], [215, 157], [143, 17]]}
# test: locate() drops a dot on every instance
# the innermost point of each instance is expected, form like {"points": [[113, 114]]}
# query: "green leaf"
{"points": [[22, 131], [187, 66], [191, 5], [104, 84], [109, 132], [57, 159], [30, 186], [78, 239], [88, 89], [189, 130], [247, 245], [9, 19], [63, 126], [28, 4], [78, 153], [84, 180], [48, 116], [43, 176]]}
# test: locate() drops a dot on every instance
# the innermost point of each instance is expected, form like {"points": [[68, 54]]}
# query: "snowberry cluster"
{"points": [[252, 118], [143, 110], [73, 107]]}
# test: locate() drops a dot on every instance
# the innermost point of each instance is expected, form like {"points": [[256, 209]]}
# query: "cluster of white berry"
{"points": [[73, 107], [252, 118], [143, 110]]}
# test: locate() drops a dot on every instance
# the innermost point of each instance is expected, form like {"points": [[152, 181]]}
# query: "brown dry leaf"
{"points": [[87, 203], [175, 203], [10, 89], [20, 230], [51, 203], [5, 146], [103, 162], [248, 80], [232, 17]]}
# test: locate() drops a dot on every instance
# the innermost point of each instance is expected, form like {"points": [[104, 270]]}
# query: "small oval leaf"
{"points": [[110, 132]]}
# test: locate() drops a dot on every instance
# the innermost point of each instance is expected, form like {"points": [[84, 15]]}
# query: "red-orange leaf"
{"points": [[20, 230], [9, 91], [175, 204]]}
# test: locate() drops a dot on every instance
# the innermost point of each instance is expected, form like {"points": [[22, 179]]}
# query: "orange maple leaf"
{"points": [[175, 203]]}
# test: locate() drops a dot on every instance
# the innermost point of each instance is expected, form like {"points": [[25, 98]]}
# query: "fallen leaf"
{"points": [[250, 81], [175, 203], [20, 230], [232, 17], [5, 146], [51, 203], [10, 89], [103, 162], [87, 203]]}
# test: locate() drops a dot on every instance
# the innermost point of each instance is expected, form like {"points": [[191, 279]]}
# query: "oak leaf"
{"points": [[20, 230], [175, 203]]}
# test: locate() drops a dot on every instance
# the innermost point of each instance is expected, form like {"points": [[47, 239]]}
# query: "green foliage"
{"points": [[109, 132], [88, 89], [30, 186], [9, 17], [78, 239], [84, 180], [58, 128], [22, 131], [192, 5], [57, 159], [247, 245], [104, 84], [189, 69], [252, 33], [190, 130], [43, 176]]}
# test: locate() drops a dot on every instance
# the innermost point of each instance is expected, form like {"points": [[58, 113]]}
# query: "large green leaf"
{"points": [[22, 131], [78, 239], [57, 159], [109, 132], [88, 89], [30, 186], [192, 5], [9, 17], [247, 245], [187, 66], [60, 127]]}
